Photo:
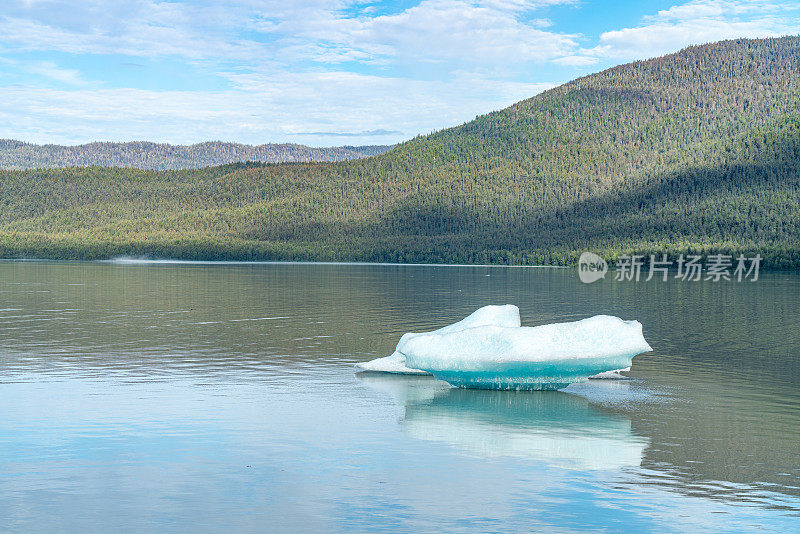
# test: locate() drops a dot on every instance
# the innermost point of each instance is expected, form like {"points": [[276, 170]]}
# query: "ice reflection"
{"points": [[550, 426]]}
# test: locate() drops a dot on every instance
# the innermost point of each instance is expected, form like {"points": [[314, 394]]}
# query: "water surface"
{"points": [[178, 397]]}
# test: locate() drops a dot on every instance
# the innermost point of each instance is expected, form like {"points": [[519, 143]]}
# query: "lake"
{"points": [[170, 397]]}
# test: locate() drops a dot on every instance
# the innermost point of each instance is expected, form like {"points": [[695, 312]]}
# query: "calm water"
{"points": [[141, 397]]}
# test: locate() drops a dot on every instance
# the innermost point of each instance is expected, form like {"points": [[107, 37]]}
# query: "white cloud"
{"points": [[275, 108], [461, 54], [134, 28], [451, 31], [522, 5], [576, 61], [717, 8], [432, 30], [335, 67], [50, 70], [696, 22]]}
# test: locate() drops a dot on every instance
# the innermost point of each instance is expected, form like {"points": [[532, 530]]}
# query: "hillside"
{"points": [[695, 151], [16, 155]]}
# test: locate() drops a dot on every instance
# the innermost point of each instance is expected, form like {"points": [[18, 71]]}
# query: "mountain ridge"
{"points": [[694, 152], [20, 155]]}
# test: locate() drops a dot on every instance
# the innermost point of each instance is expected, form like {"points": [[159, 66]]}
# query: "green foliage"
{"points": [[695, 152]]}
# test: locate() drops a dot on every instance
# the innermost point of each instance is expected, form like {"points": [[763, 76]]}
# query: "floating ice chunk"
{"points": [[490, 350], [507, 315], [396, 364], [616, 374], [504, 316], [542, 357]]}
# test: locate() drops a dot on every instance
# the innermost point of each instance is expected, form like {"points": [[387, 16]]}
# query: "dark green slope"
{"points": [[697, 151]]}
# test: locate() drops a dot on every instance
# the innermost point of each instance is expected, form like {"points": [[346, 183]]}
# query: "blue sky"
{"points": [[322, 72]]}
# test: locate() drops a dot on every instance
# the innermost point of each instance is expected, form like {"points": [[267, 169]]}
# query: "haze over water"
{"points": [[174, 397]]}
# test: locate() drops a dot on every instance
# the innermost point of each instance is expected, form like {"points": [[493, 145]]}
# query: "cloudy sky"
{"points": [[322, 72]]}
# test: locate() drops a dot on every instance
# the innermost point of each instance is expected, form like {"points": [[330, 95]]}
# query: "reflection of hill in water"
{"points": [[724, 435], [728, 355], [550, 426], [710, 440]]}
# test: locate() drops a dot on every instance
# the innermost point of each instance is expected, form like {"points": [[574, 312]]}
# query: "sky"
{"points": [[322, 72]]}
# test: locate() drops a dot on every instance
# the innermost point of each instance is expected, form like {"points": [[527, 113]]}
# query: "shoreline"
{"points": [[171, 261], [122, 261]]}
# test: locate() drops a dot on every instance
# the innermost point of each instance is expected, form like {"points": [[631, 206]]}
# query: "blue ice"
{"points": [[490, 350]]}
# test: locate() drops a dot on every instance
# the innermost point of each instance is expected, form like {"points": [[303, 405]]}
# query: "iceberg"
{"points": [[395, 364], [507, 316], [491, 350], [541, 357]]}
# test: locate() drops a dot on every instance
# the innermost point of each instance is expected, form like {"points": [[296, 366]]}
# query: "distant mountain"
{"points": [[16, 155], [696, 152]]}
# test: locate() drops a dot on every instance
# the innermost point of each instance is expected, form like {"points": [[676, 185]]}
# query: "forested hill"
{"points": [[697, 151], [17, 155]]}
